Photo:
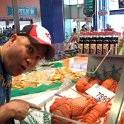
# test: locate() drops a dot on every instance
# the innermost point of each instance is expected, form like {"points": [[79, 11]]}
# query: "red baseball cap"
{"points": [[40, 35]]}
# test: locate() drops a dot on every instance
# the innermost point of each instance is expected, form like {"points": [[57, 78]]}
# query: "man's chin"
{"points": [[18, 72], [15, 73]]}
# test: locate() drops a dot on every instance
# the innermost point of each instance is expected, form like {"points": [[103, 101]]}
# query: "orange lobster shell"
{"points": [[71, 107], [110, 84], [81, 83], [91, 83], [96, 112]]}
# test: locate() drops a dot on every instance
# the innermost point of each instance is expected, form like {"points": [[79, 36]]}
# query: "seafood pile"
{"points": [[85, 108], [85, 83], [32, 79], [64, 72], [39, 77]]}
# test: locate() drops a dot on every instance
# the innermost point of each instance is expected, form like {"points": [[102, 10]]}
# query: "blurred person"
{"points": [[20, 54], [74, 40], [83, 28], [92, 28], [73, 45], [75, 35], [108, 28], [13, 29]]}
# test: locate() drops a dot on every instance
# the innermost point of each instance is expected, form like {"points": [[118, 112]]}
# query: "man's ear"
{"points": [[12, 38]]}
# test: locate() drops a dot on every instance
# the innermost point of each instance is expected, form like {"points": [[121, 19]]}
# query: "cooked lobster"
{"points": [[81, 83], [110, 84], [93, 116], [91, 83], [71, 107], [85, 83]]}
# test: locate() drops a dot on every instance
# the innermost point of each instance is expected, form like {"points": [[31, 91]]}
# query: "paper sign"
{"points": [[100, 93]]}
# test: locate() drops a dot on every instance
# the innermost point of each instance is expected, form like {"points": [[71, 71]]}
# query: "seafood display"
{"points": [[85, 83], [71, 108], [37, 78], [79, 108], [64, 72], [83, 109], [110, 84], [32, 79], [80, 105]]}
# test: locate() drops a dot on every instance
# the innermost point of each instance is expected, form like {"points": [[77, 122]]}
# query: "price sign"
{"points": [[100, 93]]}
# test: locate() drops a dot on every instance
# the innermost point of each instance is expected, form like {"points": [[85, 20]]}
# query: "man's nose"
{"points": [[29, 61]]}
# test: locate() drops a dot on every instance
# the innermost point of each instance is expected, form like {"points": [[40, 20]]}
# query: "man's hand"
{"points": [[17, 109]]}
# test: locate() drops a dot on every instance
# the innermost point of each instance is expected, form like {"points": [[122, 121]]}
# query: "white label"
{"points": [[100, 93]]}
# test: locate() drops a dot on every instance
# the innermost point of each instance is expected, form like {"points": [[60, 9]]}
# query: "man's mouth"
{"points": [[23, 67]]}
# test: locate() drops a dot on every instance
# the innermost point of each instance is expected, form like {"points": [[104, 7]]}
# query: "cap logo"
{"points": [[43, 34], [48, 35]]}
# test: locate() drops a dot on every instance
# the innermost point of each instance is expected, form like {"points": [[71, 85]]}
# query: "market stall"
{"points": [[96, 90]]}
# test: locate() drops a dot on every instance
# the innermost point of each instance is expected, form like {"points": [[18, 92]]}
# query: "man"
{"points": [[20, 54], [83, 28], [108, 28]]}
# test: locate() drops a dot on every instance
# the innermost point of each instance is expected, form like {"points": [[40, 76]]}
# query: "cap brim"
{"points": [[51, 50]]}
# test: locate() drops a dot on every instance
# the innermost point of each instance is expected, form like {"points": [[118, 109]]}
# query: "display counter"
{"points": [[98, 88], [110, 66], [46, 78]]}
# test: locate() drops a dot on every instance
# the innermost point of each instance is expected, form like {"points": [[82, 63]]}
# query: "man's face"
{"points": [[21, 55]]}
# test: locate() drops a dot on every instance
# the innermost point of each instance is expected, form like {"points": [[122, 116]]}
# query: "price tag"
{"points": [[100, 93]]}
